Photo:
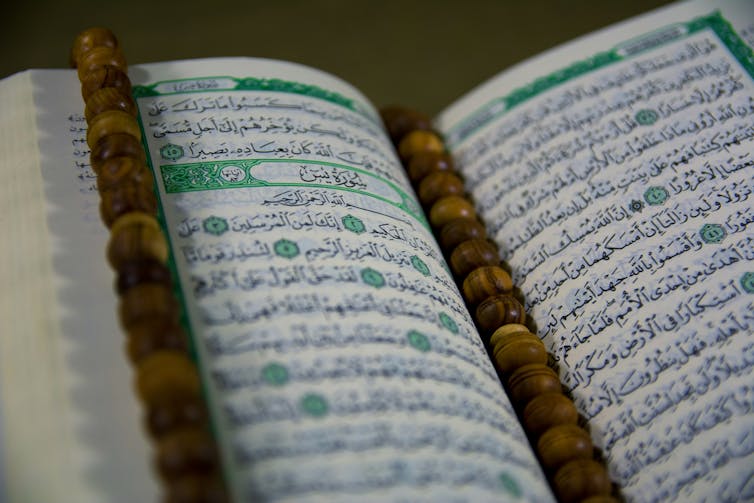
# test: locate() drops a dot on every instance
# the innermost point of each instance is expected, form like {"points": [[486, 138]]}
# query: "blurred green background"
{"points": [[418, 53]]}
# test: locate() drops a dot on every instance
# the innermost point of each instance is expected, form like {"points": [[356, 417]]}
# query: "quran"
{"points": [[339, 359]]}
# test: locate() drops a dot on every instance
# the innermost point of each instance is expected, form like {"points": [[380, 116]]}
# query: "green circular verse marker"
{"points": [[372, 277], [215, 225], [448, 323], [419, 265], [418, 340], [747, 282], [285, 248], [712, 233], [353, 224], [510, 485], [171, 152], [656, 195], [275, 374], [646, 117], [314, 405]]}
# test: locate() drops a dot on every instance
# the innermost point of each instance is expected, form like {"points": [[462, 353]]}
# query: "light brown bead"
{"points": [[439, 184], [473, 254], [400, 121], [152, 335], [485, 281], [164, 374], [105, 77], [106, 99], [563, 443], [424, 164], [459, 230], [136, 272], [547, 410], [90, 38], [185, 450], [196, 488], [120, 170], [531, 380], [125, 198], [602, 498], [419, 141], [498, 310], [116, 145], [99, 57], [174, 412], [145, 301], [516, 350], [580, 479], [112, 122], [136, 236]]}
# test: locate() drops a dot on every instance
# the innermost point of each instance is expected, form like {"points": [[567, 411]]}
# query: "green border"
{"points": [[483, 116], [200, 176]]}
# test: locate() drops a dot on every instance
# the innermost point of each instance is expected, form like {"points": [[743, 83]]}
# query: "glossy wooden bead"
{"points": [[580, 479], [485, 281], [112, 122], [185, 450], [99, 57], [105, 77], [125, 198], [136, 272], [424, 164], [439, 184], [449, 208], [516, 350], [174, 412], [547, 410], [148, 300], [400, 121], [459, 230], [531, 380], [151, 335], [196, 488], [136, 236], [90, 38], [499, 310], [472, 254], [563, 443], [106, 99], [602, 498], [164, 374], [419, 141], [116, 145], [120, 170]]}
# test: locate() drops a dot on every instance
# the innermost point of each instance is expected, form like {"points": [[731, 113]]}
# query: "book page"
{"points": [[619, 189]]}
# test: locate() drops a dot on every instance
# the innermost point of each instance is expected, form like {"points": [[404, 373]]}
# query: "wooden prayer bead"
{"points": [[88, 39], [602, 498], [99, 57], [196, 488], [400, 121], [108, 98], [111, 122], [176, 411], [547, 410], [580, 479], [116, 145], [125, 198], [136, 236], [424, 164], [164, 374], [562, 443], [472, 254], [148, 300], [439, 184], [105, 77], [531, 380], [132, 273], [186, 450], [459, 230], [485, 281], [154, 334], [499, 310], [516, 350], [419, 141], [449, 208], [509, 331], [120, 170]]}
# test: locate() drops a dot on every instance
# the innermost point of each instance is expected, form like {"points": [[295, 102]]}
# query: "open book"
{"points": [[339, 359]]}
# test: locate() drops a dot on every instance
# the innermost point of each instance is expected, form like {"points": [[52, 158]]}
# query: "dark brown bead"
{"points": [[132, 273], [106, 99], [145, 301], [423, 164], [196, 488], [116, 145], [513, 346], [185, 450], [439, 184], [164, 374], [528, 381], [563, 443], [485, 281], [472, 254], [498, 310], [602, 498], [459, 230], [547, 410], [105, 77], [449, 208], [151, 335], [419, 141], [90, 38], [121, 170], [136, 236], [125, 198], [176, 411], [112, 122], [399, 121], [99, 57], [580, 479]]}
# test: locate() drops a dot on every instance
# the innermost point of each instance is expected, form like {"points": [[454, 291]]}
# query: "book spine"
{"points": [[549, 417]]}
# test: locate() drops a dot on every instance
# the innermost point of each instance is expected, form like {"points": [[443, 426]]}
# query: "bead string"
{"points": [[549, 417], [166, 378]]}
